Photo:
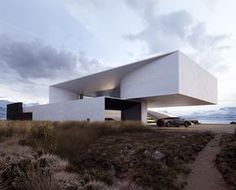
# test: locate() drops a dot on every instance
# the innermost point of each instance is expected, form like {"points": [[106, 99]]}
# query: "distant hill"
{"points": [[2, 113], [3, 108], [3, 103], [222, 115]]}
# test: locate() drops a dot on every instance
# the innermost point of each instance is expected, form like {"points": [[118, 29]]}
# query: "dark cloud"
{"points": [[35, 60]]}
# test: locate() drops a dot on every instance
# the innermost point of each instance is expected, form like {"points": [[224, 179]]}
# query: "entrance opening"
{"points": [[113, 115], [117, 109]]}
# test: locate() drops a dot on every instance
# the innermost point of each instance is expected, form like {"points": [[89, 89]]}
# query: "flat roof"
{"points": [[104, 80]]}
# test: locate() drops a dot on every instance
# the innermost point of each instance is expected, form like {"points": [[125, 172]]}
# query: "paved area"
{"points": [[205, 175], [216, 128]]}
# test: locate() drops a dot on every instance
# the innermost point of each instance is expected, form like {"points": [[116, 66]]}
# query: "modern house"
{"points": [[127, 92]]}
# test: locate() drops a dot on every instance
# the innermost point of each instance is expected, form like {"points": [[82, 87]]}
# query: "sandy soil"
{"points": [[205, 175]]}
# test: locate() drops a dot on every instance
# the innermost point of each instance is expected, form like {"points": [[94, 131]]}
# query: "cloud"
{"points": [[35, 60], [211, 4], [208, 49], [199, 39], [164, 32], [178, 30], [29, 67]]}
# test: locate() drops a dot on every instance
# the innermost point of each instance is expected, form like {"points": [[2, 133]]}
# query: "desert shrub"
{"points": [[39, 135], [36, 179], [43, 134], [54, 162]]}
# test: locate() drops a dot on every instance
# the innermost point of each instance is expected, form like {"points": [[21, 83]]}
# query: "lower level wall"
{"points": [[92, 109]]}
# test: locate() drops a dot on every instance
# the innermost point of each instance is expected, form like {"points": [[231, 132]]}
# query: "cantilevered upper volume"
{"points": [[167, 80]]}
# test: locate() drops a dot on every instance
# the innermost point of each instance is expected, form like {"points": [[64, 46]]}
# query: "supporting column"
{"points": [[132, 113], [144, 112]]}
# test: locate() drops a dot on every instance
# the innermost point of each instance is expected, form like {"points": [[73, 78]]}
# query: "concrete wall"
{"points": [[60, 95], [153, 79], [144, 112], [93, 109], [196, 82]]}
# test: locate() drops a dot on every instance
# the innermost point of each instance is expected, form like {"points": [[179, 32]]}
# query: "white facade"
{"points": [[195, 81], [157, 78], [60, 95], [92, 109], [168, 80]]}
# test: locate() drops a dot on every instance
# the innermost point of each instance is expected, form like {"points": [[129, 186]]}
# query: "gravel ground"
{"points": [[215, 128]]}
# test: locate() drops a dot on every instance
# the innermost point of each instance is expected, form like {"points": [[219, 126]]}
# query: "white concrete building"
{"points": [[167, 80]]}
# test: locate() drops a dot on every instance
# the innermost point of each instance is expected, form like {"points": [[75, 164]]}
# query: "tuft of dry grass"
{"points": [[36, 179], [120, 185], [54, 162]]}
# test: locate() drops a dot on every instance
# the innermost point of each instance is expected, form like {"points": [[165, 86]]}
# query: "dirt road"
{"points": [[205, 175]]}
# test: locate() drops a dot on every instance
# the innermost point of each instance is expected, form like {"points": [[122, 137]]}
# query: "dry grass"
{"points": [[120, 185], [36, 179], [66, 139], [22, 128], [130, 156], [107, 152], [72, 138]]}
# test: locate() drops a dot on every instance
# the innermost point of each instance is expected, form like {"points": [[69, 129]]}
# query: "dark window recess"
{"points": [[15, 112], [27, 116]]}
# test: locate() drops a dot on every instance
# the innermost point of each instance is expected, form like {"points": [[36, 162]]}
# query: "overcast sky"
{"points": [[46, 41]]}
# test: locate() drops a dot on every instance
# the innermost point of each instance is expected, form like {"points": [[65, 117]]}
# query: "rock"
{"points": [[147, 153], [157, 155]]}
